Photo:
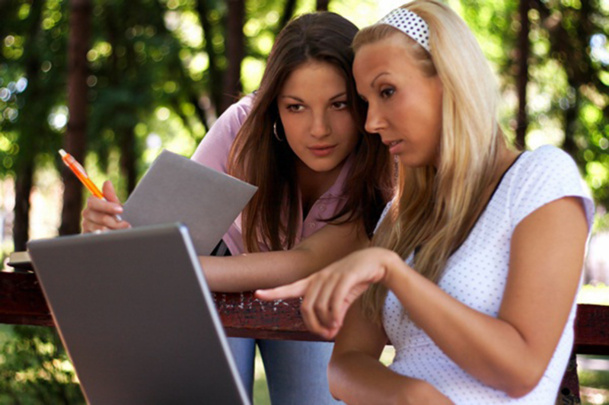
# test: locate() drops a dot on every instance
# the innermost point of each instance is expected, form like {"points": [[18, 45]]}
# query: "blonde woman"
{"points": [[477, 261]]}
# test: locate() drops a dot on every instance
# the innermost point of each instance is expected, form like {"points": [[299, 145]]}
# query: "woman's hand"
{"points": [[102, 215], [329, 293]]}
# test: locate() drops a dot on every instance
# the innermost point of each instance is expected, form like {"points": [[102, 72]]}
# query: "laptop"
{"points": [[136, 317]]}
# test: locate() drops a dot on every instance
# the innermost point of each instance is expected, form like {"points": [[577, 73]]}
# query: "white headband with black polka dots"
{"points": [[410, 24]]}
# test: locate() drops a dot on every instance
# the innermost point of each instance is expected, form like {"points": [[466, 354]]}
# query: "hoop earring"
{"points": [[275, 132]]}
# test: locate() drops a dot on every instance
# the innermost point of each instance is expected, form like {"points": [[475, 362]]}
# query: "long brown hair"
{"points": [[271, 217], [435, 208]]}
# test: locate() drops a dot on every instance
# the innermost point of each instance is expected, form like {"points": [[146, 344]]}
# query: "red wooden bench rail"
{"points": [[22, 302]]}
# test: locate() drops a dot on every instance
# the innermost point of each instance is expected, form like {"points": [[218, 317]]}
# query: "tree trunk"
{"points": [[288, 13], [24, 162], [523, 73], [75, 138], [128, 158], [322, 5], [23, 187], [215, 82], [235, 52], [571, 123]]}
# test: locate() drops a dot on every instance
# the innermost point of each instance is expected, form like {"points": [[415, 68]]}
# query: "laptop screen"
{"points": [[136, 317]]}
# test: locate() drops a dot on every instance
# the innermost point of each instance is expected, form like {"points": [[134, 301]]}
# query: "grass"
{"points": [[594, 384], [594, 378], [261, 391]]}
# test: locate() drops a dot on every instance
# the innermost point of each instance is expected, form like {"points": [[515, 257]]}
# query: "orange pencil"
{"points": [[79, 171]]}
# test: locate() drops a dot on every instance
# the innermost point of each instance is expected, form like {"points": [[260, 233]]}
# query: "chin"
{"points": [[323, 167], [414, 164]]}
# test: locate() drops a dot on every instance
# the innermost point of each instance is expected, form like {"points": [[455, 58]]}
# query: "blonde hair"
{"points": [[435, 208]]}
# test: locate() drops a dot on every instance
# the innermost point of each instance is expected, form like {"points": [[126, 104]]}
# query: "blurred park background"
{"points": [[114, 82]]}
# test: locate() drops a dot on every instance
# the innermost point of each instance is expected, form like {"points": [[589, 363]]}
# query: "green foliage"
{"points": [[601, 223], [136, 66], [34, 368], [595, 379], [567, 92], [32, 62]]}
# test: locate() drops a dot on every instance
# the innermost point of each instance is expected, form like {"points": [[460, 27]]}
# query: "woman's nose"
{"points": [[373, 120], [320, 125]]}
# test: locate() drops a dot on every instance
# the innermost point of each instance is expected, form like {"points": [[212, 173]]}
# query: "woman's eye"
{"points": [[295, 107], [387, 92], [339, 105]]}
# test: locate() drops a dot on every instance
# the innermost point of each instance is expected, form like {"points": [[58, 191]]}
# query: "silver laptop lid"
{"points": [[137, 318]]}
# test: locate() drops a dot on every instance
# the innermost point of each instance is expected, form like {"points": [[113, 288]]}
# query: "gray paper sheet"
{"points": [[177, 189]]}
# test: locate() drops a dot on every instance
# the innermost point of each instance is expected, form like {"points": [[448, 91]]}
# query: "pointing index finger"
{"points": [[294, 290]]}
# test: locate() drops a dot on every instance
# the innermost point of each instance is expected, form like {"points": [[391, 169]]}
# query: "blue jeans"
{"points": [[295, 371]]}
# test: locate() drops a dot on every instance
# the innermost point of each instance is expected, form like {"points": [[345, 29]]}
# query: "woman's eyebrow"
{"points": [[339, 95], [292, 97], [376, 78]]}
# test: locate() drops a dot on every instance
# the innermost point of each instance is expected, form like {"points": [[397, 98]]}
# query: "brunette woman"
{"points": [[322, 184]]}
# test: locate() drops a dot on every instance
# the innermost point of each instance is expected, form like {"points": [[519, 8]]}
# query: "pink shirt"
{"points": [[213, 152]]}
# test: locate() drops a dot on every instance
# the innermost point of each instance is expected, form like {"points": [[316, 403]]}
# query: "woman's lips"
{"points": [[322, 150], [394, 147]]}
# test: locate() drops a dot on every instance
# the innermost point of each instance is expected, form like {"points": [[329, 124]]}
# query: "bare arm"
{"points": [[512, 351], [356, 376], [250, 271], [509, 352]]}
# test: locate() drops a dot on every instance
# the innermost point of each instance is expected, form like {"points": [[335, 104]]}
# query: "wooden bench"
{"points": [[22, 303]]}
